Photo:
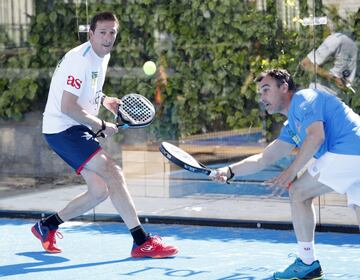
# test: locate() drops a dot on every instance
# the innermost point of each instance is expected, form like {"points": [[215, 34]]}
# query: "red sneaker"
{"points": [[47, 237], [154, 247]]}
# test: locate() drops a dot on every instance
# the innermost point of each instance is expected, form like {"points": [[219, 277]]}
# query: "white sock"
{"points": [[306, 252]]}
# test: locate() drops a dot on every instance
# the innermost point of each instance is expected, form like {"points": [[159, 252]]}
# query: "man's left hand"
{"points": [[282, 182], [112, 104]]}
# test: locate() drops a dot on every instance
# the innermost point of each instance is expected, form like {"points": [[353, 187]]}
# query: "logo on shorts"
{"points": [[72, 81], [87, 135]]}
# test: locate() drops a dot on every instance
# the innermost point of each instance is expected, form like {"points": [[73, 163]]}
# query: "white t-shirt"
{"points": [[343, 51], [81, 72]]}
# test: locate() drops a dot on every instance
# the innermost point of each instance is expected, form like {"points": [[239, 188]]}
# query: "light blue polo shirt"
{"points": [[341, 123]]}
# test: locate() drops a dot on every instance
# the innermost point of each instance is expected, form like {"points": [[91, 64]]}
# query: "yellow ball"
{"points": [[149, 68]]}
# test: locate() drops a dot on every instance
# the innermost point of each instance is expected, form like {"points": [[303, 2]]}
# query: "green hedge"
{"points": [[215, 49]]}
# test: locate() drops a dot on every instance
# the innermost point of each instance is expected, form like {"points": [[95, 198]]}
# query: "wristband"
{"points": [[231, 174], [103, 125], [102, 98], [100, 132]]}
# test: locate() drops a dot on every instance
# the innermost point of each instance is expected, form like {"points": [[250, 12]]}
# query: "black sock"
{"points": [[139, 235], [52, 222]]}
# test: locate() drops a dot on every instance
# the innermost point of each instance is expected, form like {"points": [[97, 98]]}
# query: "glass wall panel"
{"points": [[207, 54]]}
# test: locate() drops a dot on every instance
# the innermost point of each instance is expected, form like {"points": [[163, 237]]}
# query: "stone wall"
{"points": [[24, 151]]}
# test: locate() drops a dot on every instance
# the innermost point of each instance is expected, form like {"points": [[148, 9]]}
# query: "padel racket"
{"points": [[135, 111], [188, 162], [183, 159]]}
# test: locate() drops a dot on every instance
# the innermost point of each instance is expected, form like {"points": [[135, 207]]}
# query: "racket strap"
{"points": [[100, 133]]}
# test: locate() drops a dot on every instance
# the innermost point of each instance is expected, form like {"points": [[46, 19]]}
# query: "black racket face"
{"points": [[136, 110], [182, 158]]}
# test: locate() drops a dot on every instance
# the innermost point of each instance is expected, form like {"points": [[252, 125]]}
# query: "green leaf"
{"points": [[53, 17]]}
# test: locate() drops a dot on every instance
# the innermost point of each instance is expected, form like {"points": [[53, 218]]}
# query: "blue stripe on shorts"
{"points": [[76, 145]]}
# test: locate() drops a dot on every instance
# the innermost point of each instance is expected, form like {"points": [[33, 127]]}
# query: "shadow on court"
{"points": [[101, 251], [43, 259], [222, 234]]}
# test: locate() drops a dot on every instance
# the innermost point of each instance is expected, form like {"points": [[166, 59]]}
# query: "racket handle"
{"points": [[125, 125]]}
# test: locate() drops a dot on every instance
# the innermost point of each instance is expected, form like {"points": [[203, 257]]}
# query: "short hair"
{"points": [[280, 75], [103, 16]]}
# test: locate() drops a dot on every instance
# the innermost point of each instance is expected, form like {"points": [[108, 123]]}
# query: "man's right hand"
{"points": [[110, 129], [339, 83], [220, 175]]}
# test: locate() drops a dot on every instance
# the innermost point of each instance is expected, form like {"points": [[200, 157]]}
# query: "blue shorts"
{"points": [[76, 145]]}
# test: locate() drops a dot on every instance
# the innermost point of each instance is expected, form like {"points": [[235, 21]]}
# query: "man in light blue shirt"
{"points": [[321, 126], [341, 124]]}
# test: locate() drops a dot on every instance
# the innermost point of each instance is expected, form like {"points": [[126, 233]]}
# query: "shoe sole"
{"points": [[43, 244], [156, 256], [316, 274], [314, 278], [153, 257]]}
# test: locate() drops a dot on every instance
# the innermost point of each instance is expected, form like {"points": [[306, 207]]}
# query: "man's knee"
{"points": [[111, 169], [298, 195], [105, 166], [100, 193]]}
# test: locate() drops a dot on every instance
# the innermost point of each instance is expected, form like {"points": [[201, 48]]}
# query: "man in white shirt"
{"points": [[341, 51], [71, 126]]}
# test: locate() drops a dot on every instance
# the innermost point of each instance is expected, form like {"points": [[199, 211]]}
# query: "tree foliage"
{"points": [[210, 50]]}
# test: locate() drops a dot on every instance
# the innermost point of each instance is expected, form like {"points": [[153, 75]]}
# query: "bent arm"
{"points": [[70, 107], [307, 65], [272, 153], [315, 136]]}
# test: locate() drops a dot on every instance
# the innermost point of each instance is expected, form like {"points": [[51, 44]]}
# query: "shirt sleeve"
{"points": [[310, 111], [285, 134], [74, 76], [306, 108], [325, 50]]}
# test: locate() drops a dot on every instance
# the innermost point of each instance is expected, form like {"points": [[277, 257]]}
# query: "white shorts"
{"points": [[339, 172]]}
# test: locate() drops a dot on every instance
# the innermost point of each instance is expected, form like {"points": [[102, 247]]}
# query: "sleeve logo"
{"points": [[76, 83]]}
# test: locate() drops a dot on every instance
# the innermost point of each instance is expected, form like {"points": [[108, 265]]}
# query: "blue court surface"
{"points": [[101, 251]]}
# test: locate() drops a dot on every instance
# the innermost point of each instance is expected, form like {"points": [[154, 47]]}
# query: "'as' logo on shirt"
{"points": [[76, 83]]}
